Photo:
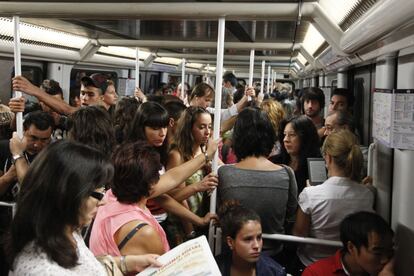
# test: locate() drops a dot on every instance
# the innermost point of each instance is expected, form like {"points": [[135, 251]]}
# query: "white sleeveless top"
{"points": [[34, 261]]}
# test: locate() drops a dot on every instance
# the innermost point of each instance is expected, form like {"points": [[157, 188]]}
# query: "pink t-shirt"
{"points": [[112, 216]]}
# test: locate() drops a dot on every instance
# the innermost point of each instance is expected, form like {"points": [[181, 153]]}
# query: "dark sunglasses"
{"points": [[98, 195]]}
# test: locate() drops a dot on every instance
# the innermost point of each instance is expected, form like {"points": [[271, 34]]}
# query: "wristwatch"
{"points": [[16, 157]]}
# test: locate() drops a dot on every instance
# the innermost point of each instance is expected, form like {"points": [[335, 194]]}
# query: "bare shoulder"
{"points": [[146, 240]]}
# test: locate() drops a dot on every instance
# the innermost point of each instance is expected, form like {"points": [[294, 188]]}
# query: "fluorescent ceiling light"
{"points": [[337, 11], [302, 59], [123, 51], [42, 35], [174, 61]]}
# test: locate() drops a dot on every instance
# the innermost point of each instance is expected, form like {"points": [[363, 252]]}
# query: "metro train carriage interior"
{"points": [[365, 46]]}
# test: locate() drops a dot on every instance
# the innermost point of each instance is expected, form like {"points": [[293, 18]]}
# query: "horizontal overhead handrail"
{"points": [[226, 57], [296, 239], [157, 10], [170, 44]]}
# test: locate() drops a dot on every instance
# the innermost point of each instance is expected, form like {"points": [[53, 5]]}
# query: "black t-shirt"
{"points": [[5, 164]]}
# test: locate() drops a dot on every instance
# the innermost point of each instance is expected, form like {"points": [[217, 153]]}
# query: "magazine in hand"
{"points": [[191, 258]]}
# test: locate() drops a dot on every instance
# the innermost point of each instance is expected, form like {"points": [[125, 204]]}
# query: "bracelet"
{"points": [[124, 268], [206, 157]]}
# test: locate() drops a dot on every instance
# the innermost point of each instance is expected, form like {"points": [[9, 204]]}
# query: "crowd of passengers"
{"points": [[111, 183]]}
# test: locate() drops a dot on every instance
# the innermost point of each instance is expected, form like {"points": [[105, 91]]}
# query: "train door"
{"points": [[363, 84]]}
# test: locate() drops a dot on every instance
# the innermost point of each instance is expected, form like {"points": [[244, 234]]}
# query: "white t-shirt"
{"points": [[34, 261], [327, 205]]}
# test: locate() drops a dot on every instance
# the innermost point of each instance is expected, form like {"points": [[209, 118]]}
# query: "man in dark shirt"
{"points": [[17, 154]]}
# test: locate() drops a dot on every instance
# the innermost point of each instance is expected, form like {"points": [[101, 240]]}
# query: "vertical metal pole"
{"points": [[182, 79], [17, 70], [251, 69], [268, 80], [137, 67], [208, 74], [273, 80], [217, 117], [262, 79]]}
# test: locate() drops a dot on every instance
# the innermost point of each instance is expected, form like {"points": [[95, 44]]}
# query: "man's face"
{"points": [[373, 258], [89, 95], [338, 102], [37, 139], [312, 108]]}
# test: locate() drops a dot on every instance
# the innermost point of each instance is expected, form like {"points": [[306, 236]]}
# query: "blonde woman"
{"points": [[323, 207], [276, 114]]}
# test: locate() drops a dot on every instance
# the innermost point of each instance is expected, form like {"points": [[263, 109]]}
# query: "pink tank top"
{"points": [[112, 216]]}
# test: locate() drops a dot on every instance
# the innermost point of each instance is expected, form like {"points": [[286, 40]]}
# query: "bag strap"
{"points": [[289, 172], [131, 234]]}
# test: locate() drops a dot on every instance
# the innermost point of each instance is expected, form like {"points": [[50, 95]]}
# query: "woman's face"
{"points": [[248, 242], [202, 128], [291, 140], [203, 101], [90, 206], [155, 135], [110, 97]]}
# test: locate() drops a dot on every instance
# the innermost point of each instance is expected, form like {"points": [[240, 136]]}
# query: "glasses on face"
{"points": [[290, 135], [97, 195]]}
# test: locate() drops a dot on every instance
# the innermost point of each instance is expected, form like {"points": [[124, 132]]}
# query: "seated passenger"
{"points": [[299, 141], [367, 249], [242, 233], [323, 207], [254, 181], [60, 194]]}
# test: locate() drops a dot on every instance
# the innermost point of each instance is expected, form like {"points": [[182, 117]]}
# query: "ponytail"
{"points": [[344, 149], [354, 163]]}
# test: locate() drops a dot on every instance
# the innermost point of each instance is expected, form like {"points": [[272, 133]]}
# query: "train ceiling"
{"points": [[165, 23]]}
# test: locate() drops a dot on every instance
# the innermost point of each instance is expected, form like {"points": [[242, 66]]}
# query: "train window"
{"points": [[33, 74], [153, 82]]}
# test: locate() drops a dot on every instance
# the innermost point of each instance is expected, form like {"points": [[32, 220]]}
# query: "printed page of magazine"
{"points": [[191, 258]]}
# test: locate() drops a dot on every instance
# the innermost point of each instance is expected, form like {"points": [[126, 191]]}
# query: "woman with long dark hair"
{"points": [[150, 125], [60, 194], [299, 140]]}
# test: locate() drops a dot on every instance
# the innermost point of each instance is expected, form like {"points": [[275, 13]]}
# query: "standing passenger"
{"points": [[299, 141], [254, 181], [323, 207], [313, 103], [191, 137]]}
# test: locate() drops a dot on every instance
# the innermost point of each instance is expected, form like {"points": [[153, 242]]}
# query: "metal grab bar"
{"points": [[291, 238]]}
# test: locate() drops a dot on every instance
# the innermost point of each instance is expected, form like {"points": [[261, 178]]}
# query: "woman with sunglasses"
{"points": [[56, 200]]}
